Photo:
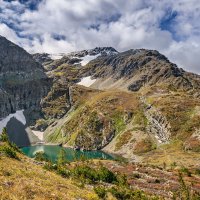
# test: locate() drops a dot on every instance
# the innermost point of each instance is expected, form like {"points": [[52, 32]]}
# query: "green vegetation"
{"points": [[100, 191], [140, 119], [197, 171], [61, 158], [127, 194], [122, 193], [4, 136], [56, 137], [92, 175], [41, 156], [136, 175], [119, 123], [8, 149], [185, 171]]}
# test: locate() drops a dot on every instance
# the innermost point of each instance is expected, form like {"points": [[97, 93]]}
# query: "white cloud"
{"points": [[123, 24], [186, 54], [9, 33]]}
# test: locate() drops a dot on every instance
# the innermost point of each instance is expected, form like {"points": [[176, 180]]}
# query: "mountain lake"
{"points": [[52, 153]]}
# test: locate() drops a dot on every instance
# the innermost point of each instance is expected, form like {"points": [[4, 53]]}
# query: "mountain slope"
{"points": [[135, 69], [130, 107], [27, 179], [23, 84]]}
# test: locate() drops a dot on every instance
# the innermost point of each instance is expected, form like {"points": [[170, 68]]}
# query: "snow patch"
{"points": [[39, 134], [19, 115], [86, 81], [87, 59]]}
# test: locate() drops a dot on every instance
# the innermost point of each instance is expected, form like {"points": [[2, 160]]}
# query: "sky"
{"points": [[61, 26]]}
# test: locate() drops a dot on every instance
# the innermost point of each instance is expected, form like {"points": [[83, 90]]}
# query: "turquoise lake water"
{"points": [[71, 154]]}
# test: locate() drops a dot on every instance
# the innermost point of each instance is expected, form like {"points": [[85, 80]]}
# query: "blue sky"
{"points": [[55, 26]]}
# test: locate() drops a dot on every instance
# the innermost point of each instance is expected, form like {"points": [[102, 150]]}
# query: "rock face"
{"points": [[57, 103], [23, 82], [157, 123]]}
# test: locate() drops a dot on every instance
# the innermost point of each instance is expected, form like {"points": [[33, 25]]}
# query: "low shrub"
{"points": [[127, 194], [15, 147], [100, 191], [85, 172], [62, 158], [94, 175], [106, 175], [186, 171], [63, 172], [50, 166], [197, 171], [4, 136], [9, 152], [41, 156]]}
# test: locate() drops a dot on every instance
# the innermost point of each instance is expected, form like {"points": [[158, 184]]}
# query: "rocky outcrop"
{"points": [[193, 143], [57, 103], [23, 82], [42, 58], [157, 123], [96, 142]]}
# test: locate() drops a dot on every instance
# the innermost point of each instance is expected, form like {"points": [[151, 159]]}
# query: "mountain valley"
{"points": [[134, 104]]}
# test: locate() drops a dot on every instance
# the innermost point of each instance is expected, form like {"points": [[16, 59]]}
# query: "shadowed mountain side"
{"points": [[23, 82], [20, 134]]}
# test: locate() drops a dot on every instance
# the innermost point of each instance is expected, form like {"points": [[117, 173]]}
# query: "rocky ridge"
{"points": [[51, 62], [135, 69]]}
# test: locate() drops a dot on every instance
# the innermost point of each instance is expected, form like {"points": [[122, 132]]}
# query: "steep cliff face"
{"points": [[23, 82]]}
